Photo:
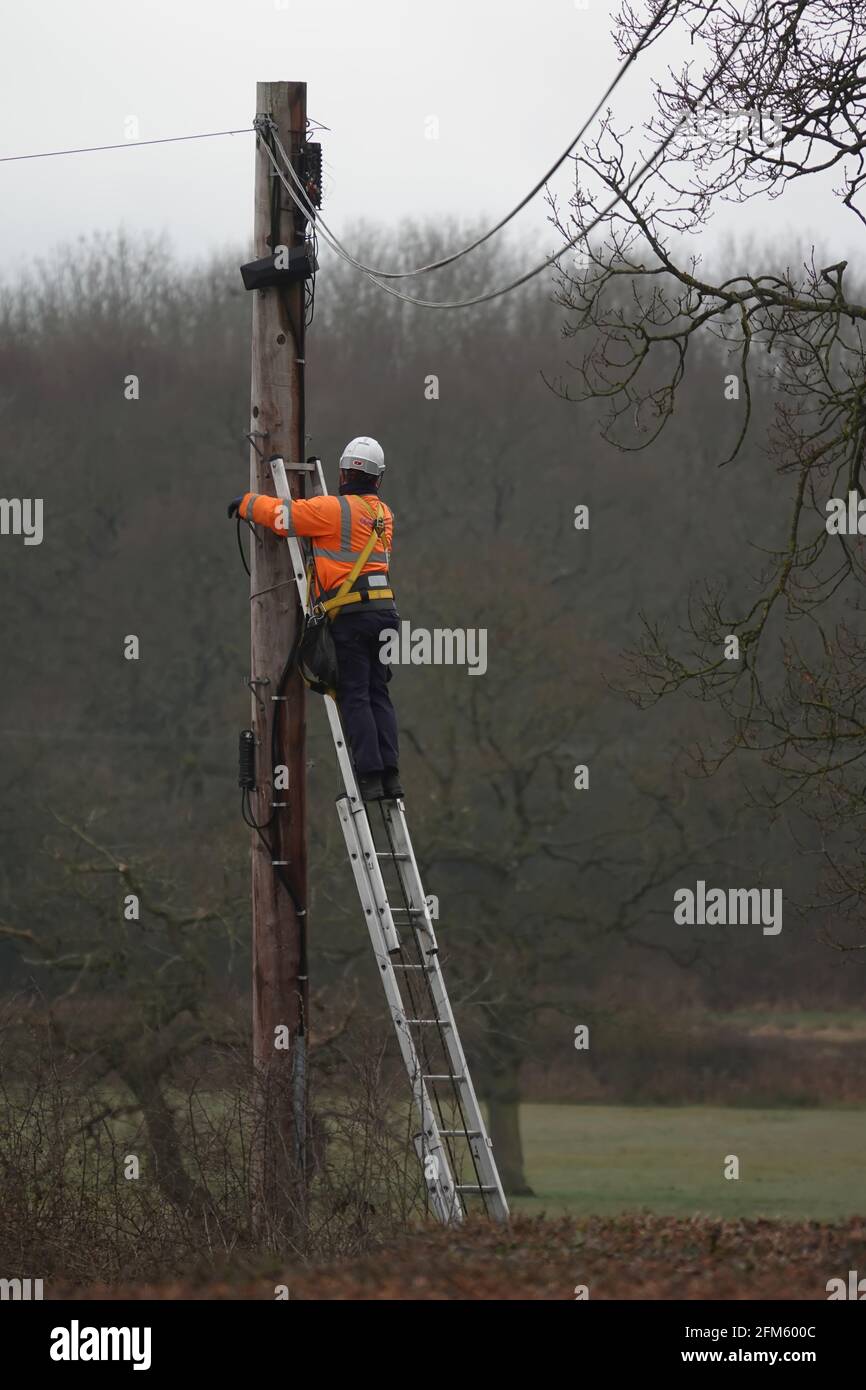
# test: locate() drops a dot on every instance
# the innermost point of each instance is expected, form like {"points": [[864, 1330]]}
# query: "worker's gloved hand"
{"points": [[234, 506]]}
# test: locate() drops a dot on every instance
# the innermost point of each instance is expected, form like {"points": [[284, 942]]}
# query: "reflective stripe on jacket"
{"points": [[338, 526]]}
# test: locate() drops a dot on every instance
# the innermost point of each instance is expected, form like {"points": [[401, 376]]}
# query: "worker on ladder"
{"points": [[344, 530]]}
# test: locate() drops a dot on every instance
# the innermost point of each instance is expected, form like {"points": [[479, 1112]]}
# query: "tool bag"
{"points": [[317, 654]]}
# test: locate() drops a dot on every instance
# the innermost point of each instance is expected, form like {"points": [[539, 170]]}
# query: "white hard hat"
{"points": [[364, 454]]}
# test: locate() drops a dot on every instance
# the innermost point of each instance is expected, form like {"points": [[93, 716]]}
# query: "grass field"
{"points": [[636, 1205], [795, 1165], [846, 1026]]}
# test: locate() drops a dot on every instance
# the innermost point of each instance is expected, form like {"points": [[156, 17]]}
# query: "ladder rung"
{"points": [[398, 966], [441, 1076], [475, 1187], [443, 1021], [466, 1133], [386, 854], [412, 911]]}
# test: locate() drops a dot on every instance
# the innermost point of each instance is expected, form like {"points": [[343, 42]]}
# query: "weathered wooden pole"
{"points": [[279, 852]]}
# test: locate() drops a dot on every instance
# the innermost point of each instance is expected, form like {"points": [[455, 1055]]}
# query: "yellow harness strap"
{"points": [[342, 596]]}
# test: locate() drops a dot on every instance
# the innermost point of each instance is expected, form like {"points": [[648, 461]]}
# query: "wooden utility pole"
{"points": [[280, 1003]]}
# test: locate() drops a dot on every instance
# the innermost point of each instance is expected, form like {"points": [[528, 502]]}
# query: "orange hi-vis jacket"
{"points": [[339, 528]]}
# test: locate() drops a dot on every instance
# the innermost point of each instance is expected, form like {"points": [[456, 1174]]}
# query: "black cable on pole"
{"points": [[243, 521], [261, 826]]}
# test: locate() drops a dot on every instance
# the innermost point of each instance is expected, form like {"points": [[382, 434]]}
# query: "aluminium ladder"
{"points": [[451, 1136]]}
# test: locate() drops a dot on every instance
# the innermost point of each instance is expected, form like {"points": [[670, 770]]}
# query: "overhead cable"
{"points": [[302, 202], [642, 42], [124, 145]]}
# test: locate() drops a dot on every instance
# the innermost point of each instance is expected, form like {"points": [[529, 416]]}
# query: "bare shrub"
{"points": [[74, 1210]]}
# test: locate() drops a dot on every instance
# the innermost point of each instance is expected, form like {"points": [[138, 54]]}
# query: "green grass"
{"points": [[794, 1164], [804, 1021]]}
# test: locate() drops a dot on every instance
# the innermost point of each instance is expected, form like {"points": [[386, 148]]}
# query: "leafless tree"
{"points": [[772, 94]]}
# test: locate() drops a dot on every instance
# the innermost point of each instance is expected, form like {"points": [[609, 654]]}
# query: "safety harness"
{"points": [[372, 586], [317, 654]]}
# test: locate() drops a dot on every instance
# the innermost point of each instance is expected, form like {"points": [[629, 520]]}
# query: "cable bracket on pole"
{"points": [[252, 682], [253, 436]]}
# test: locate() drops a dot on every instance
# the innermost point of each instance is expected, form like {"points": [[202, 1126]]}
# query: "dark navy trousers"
{"points": [[362, 686]]}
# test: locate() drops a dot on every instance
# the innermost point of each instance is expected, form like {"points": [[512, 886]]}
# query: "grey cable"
{"points": [[304, 206], [125, 145], [464, 251]]}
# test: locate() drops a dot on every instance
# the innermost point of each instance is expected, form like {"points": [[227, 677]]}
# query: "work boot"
{"points": [[370, 786], [391, 783]]}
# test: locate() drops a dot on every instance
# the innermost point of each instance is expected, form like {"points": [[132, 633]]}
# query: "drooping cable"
{"points": [[300, 199], [642, 42]]}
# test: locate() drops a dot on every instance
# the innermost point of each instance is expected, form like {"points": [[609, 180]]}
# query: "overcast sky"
{"points": [[508, 82]]}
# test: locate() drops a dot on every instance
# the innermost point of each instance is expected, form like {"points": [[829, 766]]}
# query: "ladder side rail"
{"points": [[366, 860], [299, 569], [407, 868], [439, 1180]]}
